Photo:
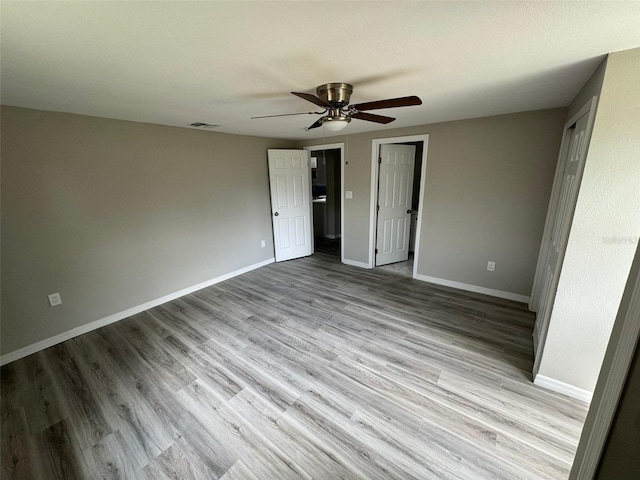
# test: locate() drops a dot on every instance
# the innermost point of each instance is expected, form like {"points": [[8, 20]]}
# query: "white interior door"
{"points": [[290, 182], [560, 222], [395, 190]]}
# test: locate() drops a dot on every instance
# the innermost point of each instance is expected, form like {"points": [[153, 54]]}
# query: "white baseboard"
{"points": [[88, 327], [564, 388], [473, 288], [353, 263]]}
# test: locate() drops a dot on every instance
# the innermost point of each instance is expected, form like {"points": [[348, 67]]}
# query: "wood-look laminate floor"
{"points": [[304, 369]]}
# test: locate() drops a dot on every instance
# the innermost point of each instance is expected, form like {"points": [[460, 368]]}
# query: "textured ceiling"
{"points": [[175, 63]]}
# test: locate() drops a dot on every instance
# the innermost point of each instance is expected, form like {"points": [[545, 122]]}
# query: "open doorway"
{"points": [[327, 172], [398, 171]]}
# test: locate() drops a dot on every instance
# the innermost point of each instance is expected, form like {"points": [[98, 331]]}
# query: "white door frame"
{"points": [[375, 151], [334, 146], [588, 108]]}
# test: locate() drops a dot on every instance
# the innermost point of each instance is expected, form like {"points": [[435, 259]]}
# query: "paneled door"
{"points": [[290, 181], [568, 183], [395, 191]]}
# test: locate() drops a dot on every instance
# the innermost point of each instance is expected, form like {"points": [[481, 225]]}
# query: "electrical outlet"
{"points": [[55, 299], [348, 194], [263, 243], [491, 266]]}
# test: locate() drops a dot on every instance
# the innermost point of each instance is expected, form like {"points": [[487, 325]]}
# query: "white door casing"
{"points": [[563, 201], [290, 183], [395, 190]]}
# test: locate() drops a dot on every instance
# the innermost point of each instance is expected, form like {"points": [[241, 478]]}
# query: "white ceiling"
{"points": [[175, 63]]}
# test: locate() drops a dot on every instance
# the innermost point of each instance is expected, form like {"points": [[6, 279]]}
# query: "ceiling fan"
{"points": [[334, 99]]}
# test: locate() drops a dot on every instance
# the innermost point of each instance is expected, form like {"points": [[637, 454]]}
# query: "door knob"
{"points": [[276, 214], [408, 211]]}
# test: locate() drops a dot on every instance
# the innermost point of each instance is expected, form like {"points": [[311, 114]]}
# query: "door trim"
{"points": [[590, 109], [375, 149], [334, 146]]}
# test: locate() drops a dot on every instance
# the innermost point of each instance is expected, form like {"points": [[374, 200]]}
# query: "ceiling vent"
{"points": [[203, 125]]}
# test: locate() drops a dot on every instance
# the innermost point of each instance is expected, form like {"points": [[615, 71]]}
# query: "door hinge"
{"points": [[379, 160], [377, 208], [376, 250]]}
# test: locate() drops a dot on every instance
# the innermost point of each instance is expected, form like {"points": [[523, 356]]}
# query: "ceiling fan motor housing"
{"points": [[336, 94]]}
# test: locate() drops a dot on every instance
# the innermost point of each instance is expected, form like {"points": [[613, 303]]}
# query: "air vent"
{"points": [[203, 125]]}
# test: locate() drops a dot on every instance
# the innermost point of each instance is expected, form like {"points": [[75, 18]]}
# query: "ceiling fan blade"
{"points": [[312, 98], [390, 103], [316, 124], [370, 117], [288, 114]]}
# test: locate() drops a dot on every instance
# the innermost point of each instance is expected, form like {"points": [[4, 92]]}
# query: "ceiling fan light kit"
{"points": [[335, 124], [335, 98]]}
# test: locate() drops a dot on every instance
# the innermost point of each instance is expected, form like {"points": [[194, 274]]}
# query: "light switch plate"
{"points": [[348, 194], [491, 266]]}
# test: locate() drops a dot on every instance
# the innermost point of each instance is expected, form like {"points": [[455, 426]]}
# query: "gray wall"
{"points": [[113, 214], [488, 182], [604, 232]]}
